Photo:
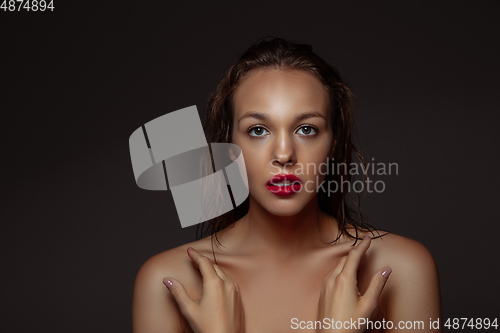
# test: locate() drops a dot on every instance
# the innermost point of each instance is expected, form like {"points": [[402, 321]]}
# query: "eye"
{"points": [[258, 130], [308, 130]]}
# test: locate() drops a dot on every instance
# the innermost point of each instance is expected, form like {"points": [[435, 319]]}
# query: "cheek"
{"points": [[314, 161], [255, 162], [252, 157]]}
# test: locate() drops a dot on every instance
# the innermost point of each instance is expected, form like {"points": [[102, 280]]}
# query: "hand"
{"points": [[340, 298], [219, 309]]}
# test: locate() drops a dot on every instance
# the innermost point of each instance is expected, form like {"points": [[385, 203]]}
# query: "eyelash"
{"points": [[258, 126]]}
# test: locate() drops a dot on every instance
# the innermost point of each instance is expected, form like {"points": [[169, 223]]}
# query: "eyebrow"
{"points": [[264, 116]]}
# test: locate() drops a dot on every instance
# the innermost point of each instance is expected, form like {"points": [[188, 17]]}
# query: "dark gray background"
{"points": [[78, 81]]}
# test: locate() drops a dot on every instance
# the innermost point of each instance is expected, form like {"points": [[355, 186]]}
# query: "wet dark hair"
{"points": [[280, 54]]}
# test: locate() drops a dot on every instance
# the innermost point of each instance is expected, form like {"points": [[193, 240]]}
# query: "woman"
{"points": [[295, 255]]}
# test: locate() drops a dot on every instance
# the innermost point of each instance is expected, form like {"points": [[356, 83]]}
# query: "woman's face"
{"points": [[281, 123]]}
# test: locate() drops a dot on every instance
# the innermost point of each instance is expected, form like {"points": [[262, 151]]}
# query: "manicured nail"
{"points": [[168, 283], [386, 272]]}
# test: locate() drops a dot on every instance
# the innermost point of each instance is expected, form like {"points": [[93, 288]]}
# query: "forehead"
{"points": [[273, 90]]}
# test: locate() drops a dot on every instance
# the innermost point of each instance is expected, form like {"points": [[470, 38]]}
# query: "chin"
{"points": [[285, 211], [283, 206]]}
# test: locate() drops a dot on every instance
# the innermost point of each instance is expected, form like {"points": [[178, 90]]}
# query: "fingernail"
{"points": [[167, 282], [386, 272], [366, 237], [190, 248]]}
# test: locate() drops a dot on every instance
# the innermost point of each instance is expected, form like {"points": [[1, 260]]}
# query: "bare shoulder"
{"points": [[412, 290], [153, 307], [402, 254], [173, 263]]}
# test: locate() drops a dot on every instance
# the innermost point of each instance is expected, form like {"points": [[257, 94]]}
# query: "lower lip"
{"points": [[283, 191]]}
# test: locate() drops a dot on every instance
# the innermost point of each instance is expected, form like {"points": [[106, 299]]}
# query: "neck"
{"points": [[260, 232]]}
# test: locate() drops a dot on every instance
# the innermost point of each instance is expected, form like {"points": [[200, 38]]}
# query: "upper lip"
{"points": [[283, 178]]}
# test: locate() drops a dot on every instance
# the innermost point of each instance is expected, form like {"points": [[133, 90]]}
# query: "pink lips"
{"points": [[295, 186]]}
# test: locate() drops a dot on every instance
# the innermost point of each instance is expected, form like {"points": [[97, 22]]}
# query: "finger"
{"points": [[377, 283], [329, 280], [225, 277], [180, 294], [221, 273], [231, 280], [354, 257], [203, 263], [338, 268]]}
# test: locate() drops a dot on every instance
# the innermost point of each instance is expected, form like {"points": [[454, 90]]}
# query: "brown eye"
{"points": [[257, 130], [308, 130]]}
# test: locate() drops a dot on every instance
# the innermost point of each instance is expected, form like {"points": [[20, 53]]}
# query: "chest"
{"points": [[283, 297], [274, 296], [273, 305]]}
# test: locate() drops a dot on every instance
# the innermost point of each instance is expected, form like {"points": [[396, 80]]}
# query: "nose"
{"points": [[283, 151]]}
